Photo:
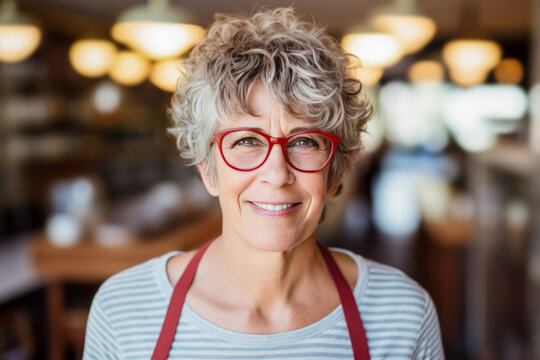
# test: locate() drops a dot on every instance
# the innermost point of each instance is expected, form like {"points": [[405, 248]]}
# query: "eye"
{"points": [[247, 141], [304, 141]]}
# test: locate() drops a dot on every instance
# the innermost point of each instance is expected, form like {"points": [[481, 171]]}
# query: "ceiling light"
{"points": [[403, 20], [157, 30], [509, 71], [19, 36], [368, 76], [92, 57], [165, 74], [374, 49], [129, 68], [426, 71], [470, 60]]}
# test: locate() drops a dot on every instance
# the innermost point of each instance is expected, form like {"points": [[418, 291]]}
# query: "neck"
{"points": [[263, 279]]}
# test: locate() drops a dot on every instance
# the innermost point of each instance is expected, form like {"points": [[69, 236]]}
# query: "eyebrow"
{"points": [[302, 128], [292, 131]]}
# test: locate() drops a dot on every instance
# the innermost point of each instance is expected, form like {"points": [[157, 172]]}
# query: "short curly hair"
{"points": [[304, 69]]}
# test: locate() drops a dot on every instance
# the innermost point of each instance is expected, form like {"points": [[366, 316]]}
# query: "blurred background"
{"points": [[448, 187]]}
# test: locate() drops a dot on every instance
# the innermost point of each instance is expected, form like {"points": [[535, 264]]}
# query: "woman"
{"points": [[272, 121]]}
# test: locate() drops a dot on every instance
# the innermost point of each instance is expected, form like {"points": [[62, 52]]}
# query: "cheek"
{"points": [[231, 183], [316, 185]]}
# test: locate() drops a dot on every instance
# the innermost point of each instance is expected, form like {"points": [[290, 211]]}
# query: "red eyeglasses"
{"points": [[246, 149]]}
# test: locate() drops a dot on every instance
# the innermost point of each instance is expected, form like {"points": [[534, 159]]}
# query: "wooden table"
{"points": [[91, 263]]}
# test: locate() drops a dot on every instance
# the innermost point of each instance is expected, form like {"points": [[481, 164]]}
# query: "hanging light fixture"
{"points": [[426, 71], [509, 71], [471, 60], [374, 49], [157, 30], [19, 35], [165, 74], [92, 57], [404, 20], [368, 76], [129, 68], [472, 57]]}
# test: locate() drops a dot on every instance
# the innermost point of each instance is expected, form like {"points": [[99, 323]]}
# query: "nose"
{"points": [[276, 171]]}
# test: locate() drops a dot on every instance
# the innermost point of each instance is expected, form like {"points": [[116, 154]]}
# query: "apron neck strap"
{"points": [[354, 322]]}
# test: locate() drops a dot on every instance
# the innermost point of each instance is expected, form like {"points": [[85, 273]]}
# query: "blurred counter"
{"points": [[91, 262], [88, 262]]}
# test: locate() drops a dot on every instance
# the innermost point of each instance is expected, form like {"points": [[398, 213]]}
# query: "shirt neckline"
{"points": [[245, 339]]}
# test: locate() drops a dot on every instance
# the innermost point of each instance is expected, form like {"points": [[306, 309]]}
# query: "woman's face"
{"points": [[253, 202]]}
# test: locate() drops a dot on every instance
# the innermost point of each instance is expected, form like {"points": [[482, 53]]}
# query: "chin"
{"points": [[275, 240]]}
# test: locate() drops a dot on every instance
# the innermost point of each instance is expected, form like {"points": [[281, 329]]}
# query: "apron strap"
{"points": [[357, 333], [174, 310], [355, 326]]}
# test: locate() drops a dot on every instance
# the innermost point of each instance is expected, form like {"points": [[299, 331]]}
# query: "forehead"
{"points": [[267, 113]]}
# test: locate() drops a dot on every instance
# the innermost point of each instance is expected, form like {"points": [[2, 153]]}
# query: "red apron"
{"points": [[355, 326]]}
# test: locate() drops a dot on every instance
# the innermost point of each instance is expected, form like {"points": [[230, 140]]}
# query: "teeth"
{"points": [[273, 207]]}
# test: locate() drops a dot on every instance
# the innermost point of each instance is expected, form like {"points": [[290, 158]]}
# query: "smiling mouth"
{"points": [[274, 207]]}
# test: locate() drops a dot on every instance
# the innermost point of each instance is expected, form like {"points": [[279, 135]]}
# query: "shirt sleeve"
{"points": [[429, 343], [100, 341]]}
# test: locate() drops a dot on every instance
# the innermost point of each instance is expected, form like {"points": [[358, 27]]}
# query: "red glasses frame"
{"points": [[281, 141]]}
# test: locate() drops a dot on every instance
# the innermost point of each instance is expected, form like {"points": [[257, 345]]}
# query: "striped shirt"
{"points": [[129, 308]]}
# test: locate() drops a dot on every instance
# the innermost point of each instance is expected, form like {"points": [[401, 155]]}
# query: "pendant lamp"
{"points": [[509, 71], [129, 68], [426, 71], [471, 60], [404, 20], [368, 76], [92, 57], [157, 30], [472, 57], [19, 35], [165, 74], [374, 49]]}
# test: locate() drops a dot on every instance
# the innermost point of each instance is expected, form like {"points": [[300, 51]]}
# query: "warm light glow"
{"points": [[129, 68], [369, 76], [375, 50], [509, 71], [413, 31], [17, 42], [157, 40], [468, 78], [470, 61], [19, 36], [92, 57], [165, 74], [426, 71]]}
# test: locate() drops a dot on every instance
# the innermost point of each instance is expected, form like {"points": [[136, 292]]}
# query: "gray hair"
{"points": [[304, 69]]}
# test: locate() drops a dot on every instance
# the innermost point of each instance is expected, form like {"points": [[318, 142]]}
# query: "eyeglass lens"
{"points": [[246, 150]]}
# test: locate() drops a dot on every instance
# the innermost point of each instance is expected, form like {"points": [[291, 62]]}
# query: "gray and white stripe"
{"points": [[129, 308]]}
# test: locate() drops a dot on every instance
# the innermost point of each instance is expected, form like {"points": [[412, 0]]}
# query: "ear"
{"points": [[208, 183], [335, 190], [339, 176], [337, 184]]}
